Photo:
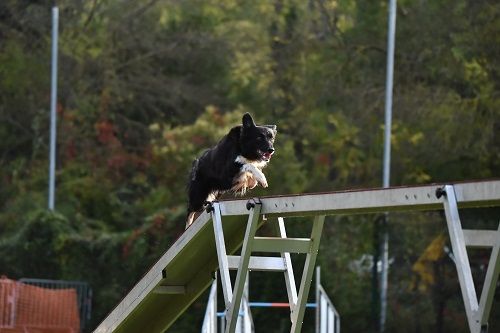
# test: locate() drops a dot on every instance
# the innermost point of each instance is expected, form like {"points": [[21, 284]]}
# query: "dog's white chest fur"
{"points": [[250, 174], [243, 160]]}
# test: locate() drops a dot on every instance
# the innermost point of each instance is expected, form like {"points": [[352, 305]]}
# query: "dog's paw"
{"points": [[263, 182], [261, 179]]}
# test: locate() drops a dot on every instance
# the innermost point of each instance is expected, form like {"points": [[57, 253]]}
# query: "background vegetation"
{"points": [[144, 86]]}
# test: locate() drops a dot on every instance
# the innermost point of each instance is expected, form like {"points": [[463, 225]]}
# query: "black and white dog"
{"points": [[235, 164]]}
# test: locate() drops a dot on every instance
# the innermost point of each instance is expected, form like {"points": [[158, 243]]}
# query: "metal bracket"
{"points": [[252, 202], [209, 206], [477, 312]]}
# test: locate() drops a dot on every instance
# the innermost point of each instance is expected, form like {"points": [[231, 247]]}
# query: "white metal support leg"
{"points": [[222, 255], [289, 276], [307, 274], [490, 282], [477, 312], [246, 250], [461, 258]]}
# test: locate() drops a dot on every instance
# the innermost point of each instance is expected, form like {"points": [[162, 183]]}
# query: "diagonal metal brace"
{"points": [[289, 276], [305, 283], [460, 252], [254, 206], [490, 282], [222, 255]]}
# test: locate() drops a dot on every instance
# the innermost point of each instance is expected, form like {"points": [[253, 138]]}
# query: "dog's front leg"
{"points": [[258, 175]]}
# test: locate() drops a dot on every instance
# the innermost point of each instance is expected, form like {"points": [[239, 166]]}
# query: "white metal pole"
{"points": [[387, 157], [388, 92], [53, 106]]}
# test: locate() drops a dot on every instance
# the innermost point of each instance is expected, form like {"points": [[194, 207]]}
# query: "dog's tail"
{"points": [[190, 184], [190, 219]]}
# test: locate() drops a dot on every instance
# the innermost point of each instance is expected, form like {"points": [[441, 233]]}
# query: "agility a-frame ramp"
{"points": [[187, 269]]}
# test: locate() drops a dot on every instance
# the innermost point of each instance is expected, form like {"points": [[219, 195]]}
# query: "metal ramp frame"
{"points": [[245, 262], [187, 269]]}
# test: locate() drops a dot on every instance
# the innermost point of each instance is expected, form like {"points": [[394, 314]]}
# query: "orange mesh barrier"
{"points": [[7, 303], [25, 308]]}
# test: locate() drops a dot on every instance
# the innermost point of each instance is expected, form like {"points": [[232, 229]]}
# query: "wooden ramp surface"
{"points": [[187, 269]]}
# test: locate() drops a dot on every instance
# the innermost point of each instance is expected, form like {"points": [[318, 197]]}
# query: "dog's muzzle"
{"points": [[266, 156]]}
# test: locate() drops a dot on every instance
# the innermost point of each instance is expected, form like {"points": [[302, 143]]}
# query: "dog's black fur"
{"points": [[234, 164]]}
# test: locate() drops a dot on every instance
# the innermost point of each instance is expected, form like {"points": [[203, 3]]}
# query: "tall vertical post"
{"points": [[53, 106], [388, 91], [387, 158]]}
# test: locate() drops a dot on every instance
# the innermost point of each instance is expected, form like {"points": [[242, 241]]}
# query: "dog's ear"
{"points": [[248, 121], [273, 128]]}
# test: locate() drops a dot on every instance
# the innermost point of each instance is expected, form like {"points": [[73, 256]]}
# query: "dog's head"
{"points": [[257, 141]]}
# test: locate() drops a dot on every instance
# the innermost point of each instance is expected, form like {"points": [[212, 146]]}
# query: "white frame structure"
{"points": [[186, 270], [327, 317], [210, 321], [477, 311], [214, 322], [245, 262]]}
